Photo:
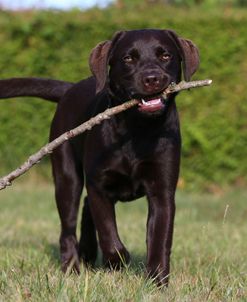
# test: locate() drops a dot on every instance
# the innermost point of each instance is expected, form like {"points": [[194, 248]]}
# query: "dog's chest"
{"points": [[119, 178], [121, 164]]}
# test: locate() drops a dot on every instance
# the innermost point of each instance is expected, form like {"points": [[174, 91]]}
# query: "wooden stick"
{"points": [[48, 148], [173, 87]]}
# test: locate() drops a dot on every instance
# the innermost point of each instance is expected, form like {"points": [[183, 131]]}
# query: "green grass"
{"points": [[208, 259]]}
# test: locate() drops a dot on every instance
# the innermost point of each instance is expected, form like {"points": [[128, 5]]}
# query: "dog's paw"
{"points": [[69, 255], [71, 265], [117, 259], [159, 276]]}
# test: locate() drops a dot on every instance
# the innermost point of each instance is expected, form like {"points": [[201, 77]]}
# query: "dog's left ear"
{"points": [[99, 59], [189, 53]]}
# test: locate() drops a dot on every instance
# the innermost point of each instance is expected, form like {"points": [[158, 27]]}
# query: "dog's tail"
{"points": [[51, 90]]}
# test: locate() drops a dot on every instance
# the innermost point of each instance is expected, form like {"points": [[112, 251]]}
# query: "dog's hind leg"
{"points": [[88, 242], [68, 179]]}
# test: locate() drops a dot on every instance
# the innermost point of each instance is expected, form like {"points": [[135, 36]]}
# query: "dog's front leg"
{"points": [[103, 211], [159, 234]]}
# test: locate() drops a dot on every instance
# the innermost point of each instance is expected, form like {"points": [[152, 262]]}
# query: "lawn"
{"points": [[208, 259]]}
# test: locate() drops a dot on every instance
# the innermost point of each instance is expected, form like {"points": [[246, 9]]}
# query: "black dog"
{"points": [[133, 154]]}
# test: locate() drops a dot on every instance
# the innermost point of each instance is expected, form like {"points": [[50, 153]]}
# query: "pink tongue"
{"points": [[151, 106]]}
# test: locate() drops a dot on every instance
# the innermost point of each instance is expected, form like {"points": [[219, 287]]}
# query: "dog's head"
{"points": [[141, 64]]}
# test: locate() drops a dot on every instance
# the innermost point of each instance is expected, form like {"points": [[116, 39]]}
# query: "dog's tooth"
{"points": [[144, 102]]}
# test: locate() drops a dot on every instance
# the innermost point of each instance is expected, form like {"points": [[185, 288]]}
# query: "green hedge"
{"points": [[57, 45]]}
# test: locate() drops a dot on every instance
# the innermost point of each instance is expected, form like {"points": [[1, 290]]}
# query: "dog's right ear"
{"points": [[98, 62], [99, 59]]}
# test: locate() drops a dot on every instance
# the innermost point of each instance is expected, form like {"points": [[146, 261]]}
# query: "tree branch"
{"points": [[48, 148]]}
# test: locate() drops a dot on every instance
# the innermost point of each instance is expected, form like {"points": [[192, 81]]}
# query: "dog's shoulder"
{"points": [[84, 89], [76, 105]]}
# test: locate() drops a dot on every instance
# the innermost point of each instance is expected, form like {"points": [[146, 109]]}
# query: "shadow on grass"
{"points": [[137, 262], [136, 265], [52, 251]]}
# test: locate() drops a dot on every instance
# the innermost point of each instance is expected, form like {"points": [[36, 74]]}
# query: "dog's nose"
{"points": [[151, 81]]}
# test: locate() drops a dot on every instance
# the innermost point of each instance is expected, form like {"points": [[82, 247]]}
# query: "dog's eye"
{"points": [[128, 59], [165, 56]]}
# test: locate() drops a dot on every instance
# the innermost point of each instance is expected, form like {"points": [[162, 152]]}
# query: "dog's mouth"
{"points": [[152, 104]]}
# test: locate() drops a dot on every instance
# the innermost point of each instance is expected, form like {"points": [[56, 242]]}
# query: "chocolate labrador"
{"points": [[134, 154]]}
